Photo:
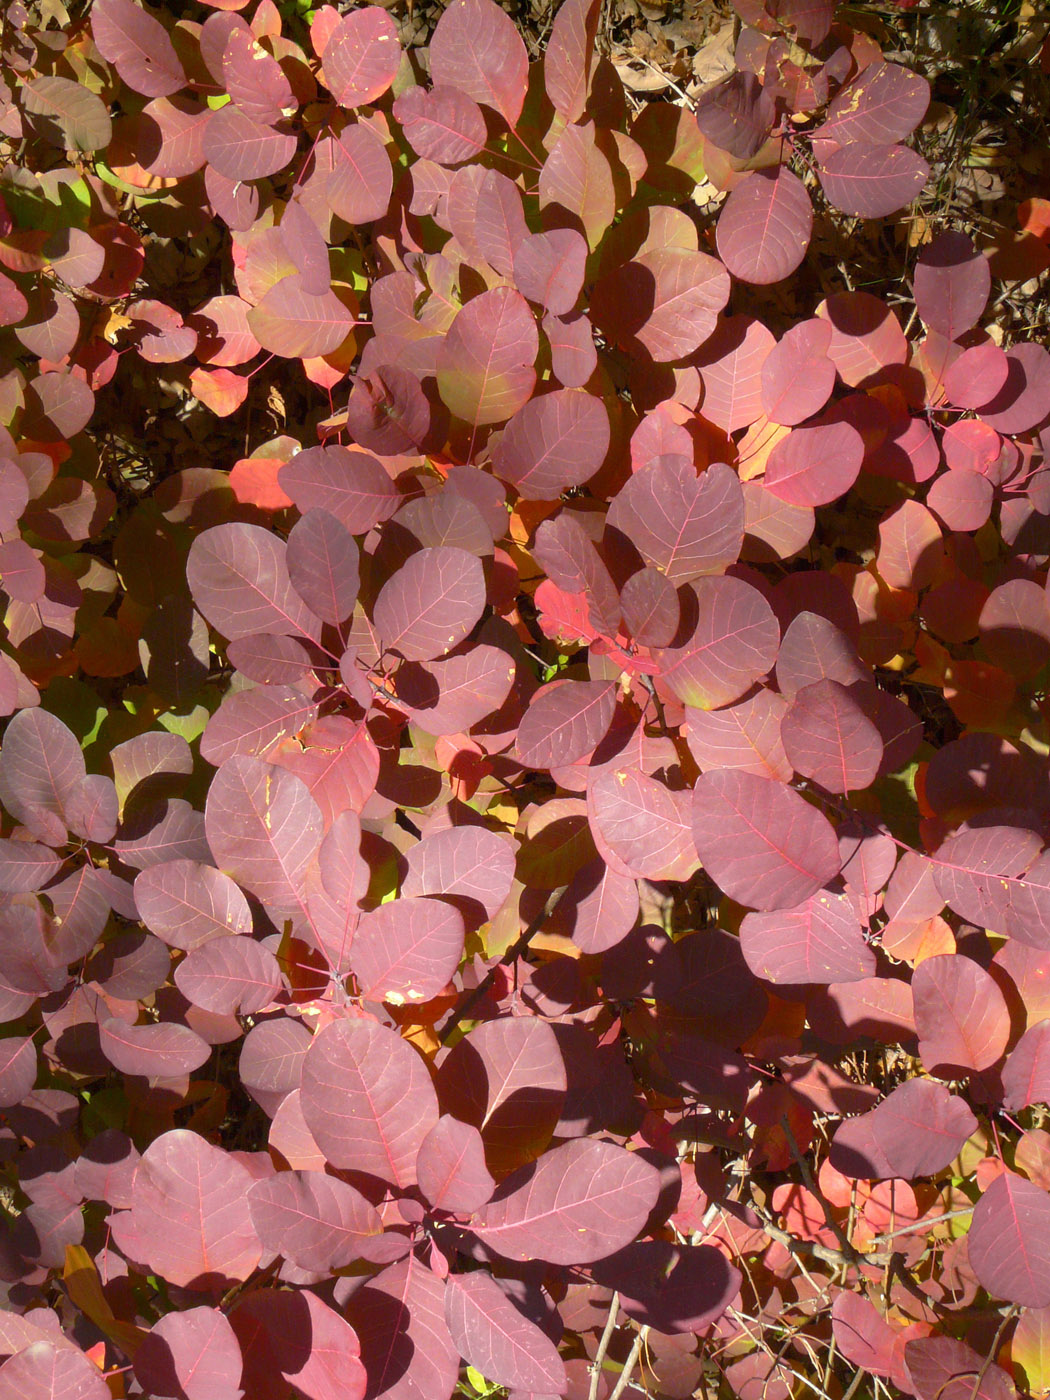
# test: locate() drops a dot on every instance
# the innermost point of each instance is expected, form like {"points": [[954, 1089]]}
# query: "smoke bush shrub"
{"points": [[461, 852]]}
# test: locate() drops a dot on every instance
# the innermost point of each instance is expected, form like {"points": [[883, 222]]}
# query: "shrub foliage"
{"points": [[525, 778]]}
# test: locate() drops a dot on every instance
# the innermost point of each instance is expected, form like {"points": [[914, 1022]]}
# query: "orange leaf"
{"points": [[254, 483]]}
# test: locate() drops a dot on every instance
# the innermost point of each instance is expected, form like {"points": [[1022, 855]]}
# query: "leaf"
{"points": [[815, 464], [828, 737], [306, 246], [1024, 400], [67, 115], [507, 1079], [264, 829], [744, 735], [291, 322], [254, 721], [41, 767], [564, 721], [683, 524], [193, 1354], [451, 1166], [405, 1342], [872, 182], [581, 1202], [917, 1130], [430, 604], [730, 364], [296, 1336], [664, 303], [152, 1051], [367, 1099], [564, 550], [138, 46], [230, 976], [883, 104], [189, 1219], [736, 115], [554, 442], [316, 1221], [45, 1370], [973, 380], [241, 149], [238, 576], [549, 268], [764, 228], [187, 904], [255, 80], [762, 843], [467, 866], [322, 560], [1026, 1074], [1009, 1241], [451, 696], [360, 177], [576, 184], [361, 57], [960, 1015], [569, 57], [733, 644], [819, 941], [651, 611], [485, 363], [18, 1068], [497, 1340], [951, 283], [441, 123], [407, 950], [642, 823], [352, 486], [476, 48]]}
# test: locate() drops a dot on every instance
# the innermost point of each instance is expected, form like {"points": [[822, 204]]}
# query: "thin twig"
{"points": [[511, 955], [629, 1365], [603, 1346]]}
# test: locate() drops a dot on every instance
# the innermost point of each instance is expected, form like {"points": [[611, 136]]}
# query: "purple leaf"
{"points": [[322, 563], [307, 249], [814, 465], [651, 611], [476, 48], [507, 1079], [569, 57], [26, 866], [252, 722], [468, 866], [46, 1370], [295, 323], [951, 284], [18, 1070], [564, 550], [960, 1014], [255, 80], [293, 1338], [138, 46], [828, 737], [485, 366], [41, 767], [642, 825], [360, 178], [153, 1051], [451, 696], [1024, 400], [317, 1222], [733, 644], [549, 268], [405, 1342], [367, 1099], [497, 1340], [1026, 1074], [361, 57], [189, 1219], [763, 230], [186, 904], [451, 1166], [349, 485], [664, 303], [431, 603], [883, 104], [736, 115], [230, 976], [762, 843], [240, 149], [238, 576], [556, 441], [1009, 1241], [564, 721], [581, 1202], [872, 182], [917, 1130], [683, 524], [745, 735], [264, 829], [819, 941], [190, 1355], [441, 123], [407, 950]]}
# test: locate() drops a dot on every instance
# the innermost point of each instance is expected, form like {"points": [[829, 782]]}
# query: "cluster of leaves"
{"points": [[459, 857]]}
